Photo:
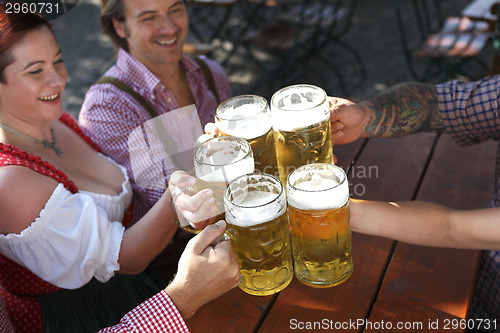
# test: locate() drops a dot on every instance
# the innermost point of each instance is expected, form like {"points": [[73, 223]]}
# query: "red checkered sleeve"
{"points": [[157, 314], [5, 323]]}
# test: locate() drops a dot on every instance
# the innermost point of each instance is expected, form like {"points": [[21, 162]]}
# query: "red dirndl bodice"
{"points": [[17, 283]]}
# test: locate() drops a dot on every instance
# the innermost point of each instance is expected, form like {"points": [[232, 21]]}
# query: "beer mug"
{"points": [[217, 161], [256, 215], [301, 123], [249, 117], [318, 208]]}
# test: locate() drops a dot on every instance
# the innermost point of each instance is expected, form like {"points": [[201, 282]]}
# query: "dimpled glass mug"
{"points": [[302, 131], [318, 208], [217, 161], [256, 215], [249, 117]]}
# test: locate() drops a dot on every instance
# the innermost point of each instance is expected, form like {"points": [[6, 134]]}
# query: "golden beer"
{"points": [[257, 221], [321, 245], [318, 199], [217, 161], [264, 151], [248, 117], [312, 144], [301, 124]]}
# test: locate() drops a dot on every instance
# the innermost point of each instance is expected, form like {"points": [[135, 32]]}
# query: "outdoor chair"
{"points": [[297, 38], [495, 60], [437, 48], [198, 49], [207, 19]]}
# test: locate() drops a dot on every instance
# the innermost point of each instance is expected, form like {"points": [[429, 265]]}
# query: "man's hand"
{"points": [[349, 120], [204, 272]]}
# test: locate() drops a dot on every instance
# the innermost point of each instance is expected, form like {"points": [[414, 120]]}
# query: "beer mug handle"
{"points": [[225, 236]]}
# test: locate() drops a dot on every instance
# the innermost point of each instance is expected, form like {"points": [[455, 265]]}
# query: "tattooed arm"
{"points": [[403, 109], [400, 110]]}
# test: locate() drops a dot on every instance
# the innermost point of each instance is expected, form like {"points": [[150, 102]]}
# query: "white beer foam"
{"points": [[318, 194], [254, 213], [241, 111], [291, 120], [223, 165], [298, 108], [226, 173], [243, 122]]}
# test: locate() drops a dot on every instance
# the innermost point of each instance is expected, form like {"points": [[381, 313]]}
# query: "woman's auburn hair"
{"points": [[13, 27]]}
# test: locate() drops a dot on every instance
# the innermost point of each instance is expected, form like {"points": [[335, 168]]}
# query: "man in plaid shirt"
{"points": [[149, 37], [205, 272], [470, 113]]}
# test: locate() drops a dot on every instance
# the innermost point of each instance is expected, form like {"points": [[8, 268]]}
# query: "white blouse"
{"points": [[75, 237]]}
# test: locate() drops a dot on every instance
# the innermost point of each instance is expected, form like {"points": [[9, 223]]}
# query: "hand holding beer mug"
{"points": [[217, 161], [192, 209], [249, 117], [257, 221], [301, 124], [318, 207]]}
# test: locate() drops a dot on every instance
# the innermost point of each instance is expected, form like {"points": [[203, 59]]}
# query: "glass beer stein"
{"points": [[217, 161], [256, 214], [249, 117], [318, 207], [301, 123]]}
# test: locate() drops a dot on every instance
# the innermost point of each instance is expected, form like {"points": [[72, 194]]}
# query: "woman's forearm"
{"points": [[411, 222], [143, 241], [428, 224], [476, 229]]}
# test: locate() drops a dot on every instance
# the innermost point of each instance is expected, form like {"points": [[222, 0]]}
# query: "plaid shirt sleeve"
{"points": [[470, 109], [109, 115], [5, 323], [100, 121], [157, 314]]}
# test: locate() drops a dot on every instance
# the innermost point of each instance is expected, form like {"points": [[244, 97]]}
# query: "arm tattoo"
{"points": [[403, 109]]}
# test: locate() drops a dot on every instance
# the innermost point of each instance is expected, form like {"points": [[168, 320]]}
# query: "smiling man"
{"points": [[149, 36]]}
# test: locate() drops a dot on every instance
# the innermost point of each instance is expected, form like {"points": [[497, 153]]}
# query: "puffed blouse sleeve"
{"points": [[71, 242]]}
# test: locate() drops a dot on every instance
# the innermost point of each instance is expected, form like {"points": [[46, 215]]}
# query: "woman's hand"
{"points": [[212, 129], [196, 208]]}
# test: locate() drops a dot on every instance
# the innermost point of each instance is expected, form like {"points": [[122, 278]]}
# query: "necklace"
{"points": [[52, 145]]}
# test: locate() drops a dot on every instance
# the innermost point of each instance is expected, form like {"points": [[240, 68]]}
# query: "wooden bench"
{"points": [[437, 48], [459, 37], [197, 49], [481, 10]]}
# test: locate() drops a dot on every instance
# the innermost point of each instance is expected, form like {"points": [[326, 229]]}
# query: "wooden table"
{"points": [[392, 283]]}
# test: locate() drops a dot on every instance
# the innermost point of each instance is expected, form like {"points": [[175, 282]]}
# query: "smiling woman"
{"points": [[64, 205], [33, 82]]}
